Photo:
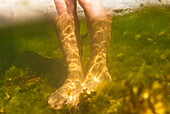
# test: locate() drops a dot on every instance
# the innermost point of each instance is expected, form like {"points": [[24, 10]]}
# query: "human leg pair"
{"points": [[99, 31]]}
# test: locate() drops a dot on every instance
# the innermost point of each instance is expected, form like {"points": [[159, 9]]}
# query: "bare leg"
{"points": [[93, 9], [67, 8], [67, 29], [99, 28]]}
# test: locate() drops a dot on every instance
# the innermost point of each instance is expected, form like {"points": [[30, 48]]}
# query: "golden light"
{"points": [[96, 79]]}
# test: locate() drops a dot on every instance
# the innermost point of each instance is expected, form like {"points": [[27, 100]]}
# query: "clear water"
{"points": [[32, 66]]}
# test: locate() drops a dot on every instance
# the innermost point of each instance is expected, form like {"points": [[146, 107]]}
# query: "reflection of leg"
{"points": [[99, 31], [65, 28]]}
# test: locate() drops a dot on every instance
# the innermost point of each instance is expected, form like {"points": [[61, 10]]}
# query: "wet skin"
{"points": [[68, 32]]}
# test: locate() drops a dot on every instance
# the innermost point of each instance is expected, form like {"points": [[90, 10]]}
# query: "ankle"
{"points": [[75, 73], [73, 82]]}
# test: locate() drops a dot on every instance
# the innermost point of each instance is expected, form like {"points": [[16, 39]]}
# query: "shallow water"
{"points": [[32, 66]]}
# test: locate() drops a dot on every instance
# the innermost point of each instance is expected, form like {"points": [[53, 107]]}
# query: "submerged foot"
{"points": [[94, 77], [60, 96]]}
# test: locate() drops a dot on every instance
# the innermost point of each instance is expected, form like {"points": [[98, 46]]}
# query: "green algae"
{"points": [[32, 67]]}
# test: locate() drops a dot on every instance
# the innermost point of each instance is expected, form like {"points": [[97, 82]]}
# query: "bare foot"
{"points": [[60, 96], [96, 74]]}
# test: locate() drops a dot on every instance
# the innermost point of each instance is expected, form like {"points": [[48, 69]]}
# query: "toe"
{"points": [[56, 100]]}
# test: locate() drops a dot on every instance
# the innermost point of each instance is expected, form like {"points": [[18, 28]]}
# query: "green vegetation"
{"points": [[32, 67]]}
